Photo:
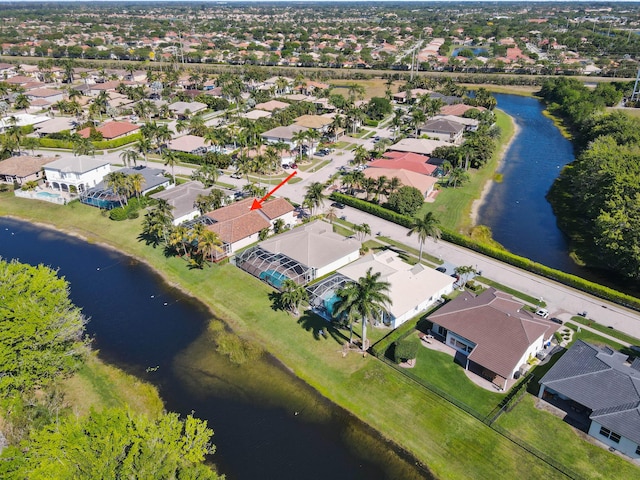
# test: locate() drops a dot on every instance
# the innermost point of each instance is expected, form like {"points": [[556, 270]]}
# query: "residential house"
{"points": [[189, 144], [255, 114], [470, 124], [21, 120], [408, 178], [283, 134], [493, 332], [443, 129], [319, 123], [49, 95], [271, 105], [183, 200], [20, 170], [55, 125], [413, 288], [302, 254], [605, 385], [76, 173], [182, 109], [112, 130], [404, 161], [238, 226], [421, 146]]}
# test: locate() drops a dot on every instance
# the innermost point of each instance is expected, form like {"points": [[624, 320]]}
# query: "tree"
{"points": [[41, 330], [136, 182], [212, 201], [207, 174], [362, 231], [114, 444], [209, 243], [157, 223], [129, 157], [406, 201], [458, 176], [366, 299], [465, 271], [314, 197], [292, 295], [425, 227], [360, 155], [118, 182], [82, 146], [171, 159], [378, 108], [22, 102], [405, 350]]}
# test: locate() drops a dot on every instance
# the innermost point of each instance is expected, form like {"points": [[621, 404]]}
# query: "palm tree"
{"points": [[129, 157], [208, 244], [144, 147], [314, 197], [331, 214], [170, 158], [117, 181], [82, 146], [425, 227], [360, 155], [22, 102], [362, 231], [158, 222], [136, 181], [367, 300], [292, 295], [299, 138], [312, 137], [458, 175]]}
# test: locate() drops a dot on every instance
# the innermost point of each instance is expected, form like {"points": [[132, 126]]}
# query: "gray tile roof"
{"points": [[600, 379]]}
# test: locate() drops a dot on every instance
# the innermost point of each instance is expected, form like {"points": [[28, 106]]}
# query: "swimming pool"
{"points": [[330, 303], [273, 278], [47, 195]]}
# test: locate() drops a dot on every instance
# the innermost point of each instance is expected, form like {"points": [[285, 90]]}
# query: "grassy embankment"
{"points": [[98, 385], [453, 205], [452, 443]]}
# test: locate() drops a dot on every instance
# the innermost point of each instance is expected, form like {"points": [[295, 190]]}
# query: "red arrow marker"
{"points": [[257, 204]]}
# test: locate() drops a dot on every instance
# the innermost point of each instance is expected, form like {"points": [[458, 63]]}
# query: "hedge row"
{"points": [[101, 145], [502, 255]]}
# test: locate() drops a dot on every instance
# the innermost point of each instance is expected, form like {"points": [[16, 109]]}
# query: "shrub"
{"points": [[118, 214], [405, 350], [406, 201]]}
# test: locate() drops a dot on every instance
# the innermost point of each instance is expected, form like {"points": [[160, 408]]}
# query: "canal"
{"points": [[267, 423]]}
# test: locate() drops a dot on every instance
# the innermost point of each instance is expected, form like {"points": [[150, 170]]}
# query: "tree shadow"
{"points": [[149, 239], [276, 302], [320, 328]]}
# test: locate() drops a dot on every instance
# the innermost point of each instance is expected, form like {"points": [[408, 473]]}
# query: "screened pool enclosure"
{"points": [[273, 268]]}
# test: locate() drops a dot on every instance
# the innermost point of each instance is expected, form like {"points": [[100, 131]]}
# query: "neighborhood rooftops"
{"points": [[408, 178], [422, 146]]}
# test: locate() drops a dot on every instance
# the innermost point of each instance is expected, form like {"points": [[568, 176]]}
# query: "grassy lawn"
{"points": [[98, 385], [316, 165], [522, 90], [591, 337], [363, 133], [552, 436], [453, 205], [439, 369], [413, 251], [515, 293], [374, 87], [604, 329], [421, 422]]}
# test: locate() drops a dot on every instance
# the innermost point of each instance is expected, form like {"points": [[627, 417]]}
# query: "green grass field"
{"points": [[452, 443]]}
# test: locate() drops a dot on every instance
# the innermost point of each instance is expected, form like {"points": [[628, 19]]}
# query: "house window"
{"points": [[638, 450], [613, 436]]}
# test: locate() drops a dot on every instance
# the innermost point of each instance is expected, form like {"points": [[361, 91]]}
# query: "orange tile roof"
{"points": [[111, 130], [276, 208], [458, 109]]}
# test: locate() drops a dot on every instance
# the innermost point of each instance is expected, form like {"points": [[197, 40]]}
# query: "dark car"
{"points": [[441, 270], [338, 205]]}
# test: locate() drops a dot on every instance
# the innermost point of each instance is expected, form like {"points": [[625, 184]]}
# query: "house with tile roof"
{"points": [[111, 130], [183, 200], [76, 173], [405, 161], [443, 129], [493, 333], [23, 169], [189, 144], [606, 383], [420, 146], [407, 178], [238, 226]]}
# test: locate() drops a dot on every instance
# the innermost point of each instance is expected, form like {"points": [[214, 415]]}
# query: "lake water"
{"points": [[267, 423], [516, 210]]}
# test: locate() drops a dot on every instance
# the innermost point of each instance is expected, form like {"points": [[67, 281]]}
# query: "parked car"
{"points": [[541, 312], [320, 153], [338, 205], [293, 165], [236, 175], [441, 270]]}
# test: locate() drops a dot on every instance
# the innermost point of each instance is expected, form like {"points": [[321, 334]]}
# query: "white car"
{"points": [[541, 312]]}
